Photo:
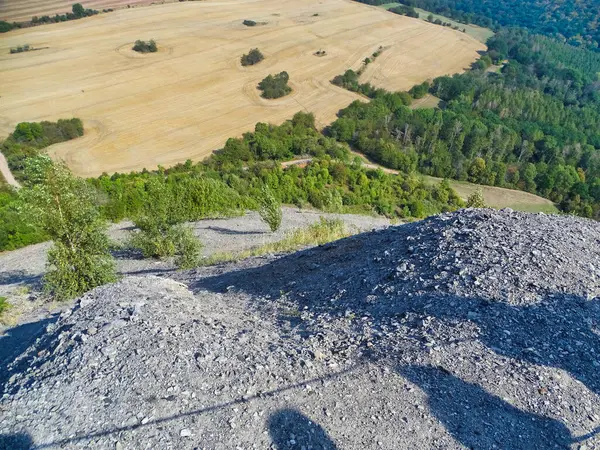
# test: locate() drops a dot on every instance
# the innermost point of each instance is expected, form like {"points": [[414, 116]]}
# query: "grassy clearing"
{"points": [[496, 197], [429, 101], [321, 232], [479, 33]]}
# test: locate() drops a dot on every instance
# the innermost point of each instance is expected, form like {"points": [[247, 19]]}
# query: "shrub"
{"points": [[78, 10], [270, 209], [156, 239], [145, 47], [4, 306], [275, 86], [420, 90], [160, 235], [476, 200], [65, 207], [188, 248], [21, 49], [6, 27], [253, 57], [249, 23]]}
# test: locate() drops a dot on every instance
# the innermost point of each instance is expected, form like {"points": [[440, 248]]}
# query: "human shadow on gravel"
{"points": [[480, 420], [556, 332], [16, 441], [16, 340], [277, 418], [559, 331], [292, 430]]}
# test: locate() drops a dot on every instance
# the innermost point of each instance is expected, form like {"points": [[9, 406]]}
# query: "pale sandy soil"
{"points": [[187, 99]]}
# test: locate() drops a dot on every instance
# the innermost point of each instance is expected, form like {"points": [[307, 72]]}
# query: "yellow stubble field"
{"points": [[24, 10], [186, 100]]}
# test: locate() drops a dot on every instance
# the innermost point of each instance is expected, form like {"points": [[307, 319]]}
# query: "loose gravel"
{"points": [[476, 329]]}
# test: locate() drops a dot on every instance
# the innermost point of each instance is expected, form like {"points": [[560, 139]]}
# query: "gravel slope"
{"points": [[21, 270], [477, 329]]}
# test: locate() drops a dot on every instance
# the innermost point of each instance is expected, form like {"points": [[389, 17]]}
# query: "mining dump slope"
{"points": [[476, 329]]}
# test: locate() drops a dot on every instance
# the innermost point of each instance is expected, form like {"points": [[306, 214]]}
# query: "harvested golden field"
{"points": [[24, 10], [187, 99]]}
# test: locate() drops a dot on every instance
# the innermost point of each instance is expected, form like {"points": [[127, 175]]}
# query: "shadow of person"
{"points": [[16, 340], [560, 331], [480, 420], [292, 430], [17, 441]]}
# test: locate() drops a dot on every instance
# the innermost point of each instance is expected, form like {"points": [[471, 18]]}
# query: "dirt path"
{"points": [[6, 173]]}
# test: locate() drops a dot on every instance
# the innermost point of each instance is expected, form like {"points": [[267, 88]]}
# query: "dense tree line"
{"points": [[29, 139], [78, 12], [233, 180], [26, 142], [571, 21], [350, 80], [535, 126], [405, 11]]}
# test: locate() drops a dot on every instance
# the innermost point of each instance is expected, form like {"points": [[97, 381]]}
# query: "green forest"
{"points": [[572, 21], [231, 181], [534, 126]]}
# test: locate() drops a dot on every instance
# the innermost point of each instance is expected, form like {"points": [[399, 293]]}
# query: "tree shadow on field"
{"points": [[10, 277], [16, 441], [478, 419], [228, 231], [292, 430]]}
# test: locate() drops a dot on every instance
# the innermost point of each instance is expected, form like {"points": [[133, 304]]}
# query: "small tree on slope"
{"points": [[476, 200], [270, 209], [65, 207], [160, 235]]}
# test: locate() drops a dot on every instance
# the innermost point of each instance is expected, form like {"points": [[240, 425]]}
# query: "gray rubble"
{"points": [[476, 329]]}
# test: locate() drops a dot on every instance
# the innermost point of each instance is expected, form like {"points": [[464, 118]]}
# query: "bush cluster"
{"points": [[21, 49], [161, 231], [254, 56], [405, 11], [145, 47], [275, 86]]}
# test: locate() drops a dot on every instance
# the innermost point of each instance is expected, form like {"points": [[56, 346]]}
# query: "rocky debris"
{"points": [[477, 329]]}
